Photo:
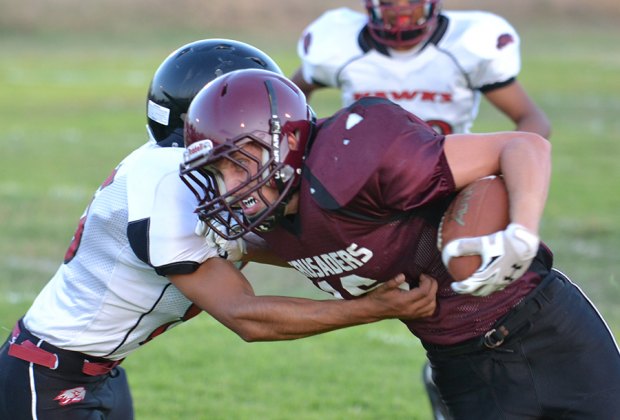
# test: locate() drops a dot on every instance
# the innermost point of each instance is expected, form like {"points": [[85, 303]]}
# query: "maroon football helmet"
{"points": [[400, 24], [242, 107]]}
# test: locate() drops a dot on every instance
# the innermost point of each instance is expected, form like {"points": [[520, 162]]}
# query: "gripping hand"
{"points": [[506, 255], [231, 250]]}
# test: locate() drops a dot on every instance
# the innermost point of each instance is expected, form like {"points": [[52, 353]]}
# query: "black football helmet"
{"points": [[400, 25], [184, 72], [246, 106]]}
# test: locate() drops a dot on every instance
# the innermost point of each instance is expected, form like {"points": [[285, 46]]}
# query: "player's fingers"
{"points": [[434, 285], [461, 247], [487, 290], [394, 282], [427, 300], [398, 279], [427, 284], [428, 290], [424, 283], [201, 228], [468, 286]]}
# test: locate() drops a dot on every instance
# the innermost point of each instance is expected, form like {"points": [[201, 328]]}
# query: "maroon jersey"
{"points": [[374, 188]]}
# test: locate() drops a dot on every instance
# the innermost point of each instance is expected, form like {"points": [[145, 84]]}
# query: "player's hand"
{"points": [[506, 256], [400, 302], [231, 250]]}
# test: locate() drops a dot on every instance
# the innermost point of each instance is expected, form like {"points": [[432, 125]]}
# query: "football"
{"points": [[479, 209]]}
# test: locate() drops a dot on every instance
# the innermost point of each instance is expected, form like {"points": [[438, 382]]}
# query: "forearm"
{"points": [[514, 101], [526, 166], [306, 88], [271, 318], [267, 318], [222, 291], [535, 123], [523, 158]]}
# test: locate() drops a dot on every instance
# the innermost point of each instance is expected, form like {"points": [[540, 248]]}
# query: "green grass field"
{"points": [[72, 107]]}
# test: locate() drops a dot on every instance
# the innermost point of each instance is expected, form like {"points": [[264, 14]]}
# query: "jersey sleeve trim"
{"points": [[493, 86], [183, 267], [318, 83], [137, 233]]}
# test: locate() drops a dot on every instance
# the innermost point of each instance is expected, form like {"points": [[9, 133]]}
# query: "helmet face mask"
{"points": [[220, 207], [399, 25], [258, 124], [187, 70]]}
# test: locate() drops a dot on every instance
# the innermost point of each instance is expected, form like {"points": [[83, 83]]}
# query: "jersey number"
{"points": [[77, 236], [191, 312], [441, 127]]}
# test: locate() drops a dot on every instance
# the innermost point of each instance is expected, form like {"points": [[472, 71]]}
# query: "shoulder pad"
{"points": [[480, 34], [330, 42]]}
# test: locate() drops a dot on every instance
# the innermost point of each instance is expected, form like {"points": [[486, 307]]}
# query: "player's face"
{"points": [[404, 13], [238, 172]]}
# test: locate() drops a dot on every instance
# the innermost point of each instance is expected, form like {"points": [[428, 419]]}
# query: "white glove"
{"points": [[506, 255], [231, 250]]}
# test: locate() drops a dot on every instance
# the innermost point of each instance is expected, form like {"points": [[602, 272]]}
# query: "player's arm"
{"points": [[515, 103], [306, 88], [524, 159], [222, 291]]}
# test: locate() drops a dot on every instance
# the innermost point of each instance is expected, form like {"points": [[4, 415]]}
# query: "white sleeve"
{"points": [[158, 198], [491, 48]]}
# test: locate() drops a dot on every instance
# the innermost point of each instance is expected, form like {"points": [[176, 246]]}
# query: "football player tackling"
{"points": [[136, 268]]}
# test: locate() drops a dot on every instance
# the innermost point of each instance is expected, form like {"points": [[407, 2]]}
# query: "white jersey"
{"points": [[470, 52], [111, 294]]}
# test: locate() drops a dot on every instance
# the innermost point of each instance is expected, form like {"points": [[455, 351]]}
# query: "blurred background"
{"points": [[73, 81], [265, 17]]}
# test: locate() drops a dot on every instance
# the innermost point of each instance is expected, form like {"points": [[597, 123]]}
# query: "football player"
{"points": [[136, 268], [435, 64], [357, 197]]}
